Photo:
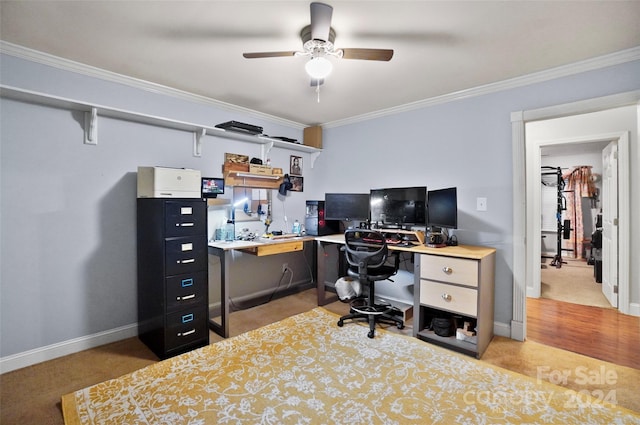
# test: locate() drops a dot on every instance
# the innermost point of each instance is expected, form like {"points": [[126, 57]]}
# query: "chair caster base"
{"points": [[371, 334], [340, 323]]}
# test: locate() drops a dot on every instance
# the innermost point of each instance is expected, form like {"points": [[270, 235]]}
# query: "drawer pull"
{"points": [[446, 297], [447, 270], [185, 224], [187, 333], [187, 297], [187, 261]]}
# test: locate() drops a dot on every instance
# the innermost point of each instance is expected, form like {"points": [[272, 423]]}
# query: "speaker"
{"points": [[314, 222]]}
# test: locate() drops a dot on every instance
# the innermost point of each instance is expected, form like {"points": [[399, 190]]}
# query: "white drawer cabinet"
{"points": [[456, 299], [457, 283]]}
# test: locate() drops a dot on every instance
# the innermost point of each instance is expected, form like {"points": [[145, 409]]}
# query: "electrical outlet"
{"points": [[285, 267]]}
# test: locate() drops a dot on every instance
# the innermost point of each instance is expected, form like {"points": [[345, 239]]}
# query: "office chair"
{"points": [[366, 252]]}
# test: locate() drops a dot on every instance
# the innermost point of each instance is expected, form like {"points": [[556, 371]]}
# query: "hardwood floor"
{"points": [[601, 333]]}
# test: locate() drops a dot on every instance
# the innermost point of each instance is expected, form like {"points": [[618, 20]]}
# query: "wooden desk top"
{"points": [[462, 251], [263, 246]]}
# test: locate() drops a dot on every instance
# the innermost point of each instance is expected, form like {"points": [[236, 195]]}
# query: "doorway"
{"points": [[556, 133], [571, 207], [527, 225], [575, 156]]}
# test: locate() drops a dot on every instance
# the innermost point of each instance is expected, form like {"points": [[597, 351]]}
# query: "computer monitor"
{"points": [[399, 207], [212, 187], [442, 207], [346, 206]]}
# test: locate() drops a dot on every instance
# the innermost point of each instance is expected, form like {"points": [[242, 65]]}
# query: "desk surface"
{"points": [[463, 251], [228, 246]]}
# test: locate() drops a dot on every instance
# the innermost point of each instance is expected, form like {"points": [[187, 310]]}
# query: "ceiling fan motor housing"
{"points": [[309, 44]]}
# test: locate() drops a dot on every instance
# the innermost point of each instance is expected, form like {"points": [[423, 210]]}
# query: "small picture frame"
{"points": [[295, 168], [298, 183]]}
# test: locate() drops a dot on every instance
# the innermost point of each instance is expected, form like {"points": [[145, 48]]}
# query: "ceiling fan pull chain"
{"points": [[318, 90]]}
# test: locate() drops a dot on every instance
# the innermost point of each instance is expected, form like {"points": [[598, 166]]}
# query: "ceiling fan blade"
{"points": [[267, 54], [368, 54], [320, 21]]}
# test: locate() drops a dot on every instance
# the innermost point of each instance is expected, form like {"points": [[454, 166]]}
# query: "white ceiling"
{"points": [[441, 47]]}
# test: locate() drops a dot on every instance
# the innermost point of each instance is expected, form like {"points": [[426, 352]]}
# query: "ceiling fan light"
{"points": [[318, 67]]}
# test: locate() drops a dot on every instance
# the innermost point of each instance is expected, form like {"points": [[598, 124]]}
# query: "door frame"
{"points": [[534, 196], [610, 230], [522, 256]]}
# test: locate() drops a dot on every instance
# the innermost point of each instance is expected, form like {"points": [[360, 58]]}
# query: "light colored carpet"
{"points": [[305, 370], [573, 283]]}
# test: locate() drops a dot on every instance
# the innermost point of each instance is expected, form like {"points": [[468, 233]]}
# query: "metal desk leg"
{"points": [[222, 328]]}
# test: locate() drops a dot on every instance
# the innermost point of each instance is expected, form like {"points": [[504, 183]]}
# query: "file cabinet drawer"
{"points": [[186, 327], [449, 269], [186, 255], [449, 297], [185, 218], [187, 290]]}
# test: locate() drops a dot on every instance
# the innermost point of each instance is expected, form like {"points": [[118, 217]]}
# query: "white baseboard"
{"points": [[502, 329], [50, 352]]}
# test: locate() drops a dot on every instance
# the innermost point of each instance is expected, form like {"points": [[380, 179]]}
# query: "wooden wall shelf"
{"points": [[244, 179]]}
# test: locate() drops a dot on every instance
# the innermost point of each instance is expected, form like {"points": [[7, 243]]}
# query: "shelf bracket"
{"points": [[91, 127], [314, 156], [266, 148], [197, 141]]}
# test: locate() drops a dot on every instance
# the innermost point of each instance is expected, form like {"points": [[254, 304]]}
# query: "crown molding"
{"points": [[617, 58], [91, 71]]}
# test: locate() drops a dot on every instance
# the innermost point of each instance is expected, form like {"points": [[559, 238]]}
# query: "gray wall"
{"points": [[465, 143], [68, 210]]}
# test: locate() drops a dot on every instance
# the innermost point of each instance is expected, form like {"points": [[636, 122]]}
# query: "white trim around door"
{"points": [[523, 254]]}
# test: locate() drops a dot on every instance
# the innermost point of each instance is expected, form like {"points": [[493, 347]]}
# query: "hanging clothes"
{"points": [[579, 184]]}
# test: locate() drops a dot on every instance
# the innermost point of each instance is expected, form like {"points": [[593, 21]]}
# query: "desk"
{"points": [[453, 280], [259, 248]]}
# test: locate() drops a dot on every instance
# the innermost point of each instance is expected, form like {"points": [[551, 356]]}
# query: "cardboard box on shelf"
{"points": [[313, 136], [235, 166], [260, 169]]}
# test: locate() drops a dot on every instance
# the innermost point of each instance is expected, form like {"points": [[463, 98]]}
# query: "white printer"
{"points": [[163, 182]]}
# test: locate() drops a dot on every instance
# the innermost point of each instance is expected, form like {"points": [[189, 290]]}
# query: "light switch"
{"points": [[481, 204]]}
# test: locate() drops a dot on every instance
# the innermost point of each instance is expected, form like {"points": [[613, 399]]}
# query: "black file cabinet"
{"points": [[172, 274]]}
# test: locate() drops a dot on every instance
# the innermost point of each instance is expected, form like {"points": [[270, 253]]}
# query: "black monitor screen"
{"points": [[398, 207], [346, 206], [443, 208], [212, 187]]}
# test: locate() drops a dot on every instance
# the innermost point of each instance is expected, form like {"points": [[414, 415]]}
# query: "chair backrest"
{"points": [[365, 249]]}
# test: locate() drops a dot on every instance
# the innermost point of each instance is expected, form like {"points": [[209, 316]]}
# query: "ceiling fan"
{"points": [[318, 43]]}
